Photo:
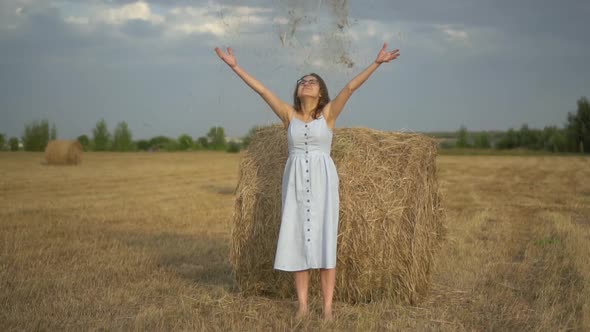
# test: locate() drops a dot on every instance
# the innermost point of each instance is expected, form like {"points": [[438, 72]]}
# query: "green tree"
{"points": [[101, 136], [13, 143], [143, 145], [185, 142], [197, 145], [85, 141], [172, 145], [53, 132], [248, 137], [482, 141], [462, 138], [572, 138], [508, 141], [160, 143], [2, 141], [36, 135], [554, 139], [216, 136], [523, 136], [122, 138], [446, 144], [529, 138], [203, 142], [233, 147], [578, 127]]}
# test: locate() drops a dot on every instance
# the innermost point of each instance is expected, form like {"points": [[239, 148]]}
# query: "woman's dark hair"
{"points": [[324, 99]]}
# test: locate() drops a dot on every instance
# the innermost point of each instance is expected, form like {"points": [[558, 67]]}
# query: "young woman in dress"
{"points": [[296, 252]]}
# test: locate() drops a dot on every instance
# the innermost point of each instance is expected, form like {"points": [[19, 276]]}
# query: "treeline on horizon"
{"points": [[573, 137], [37, 134]]}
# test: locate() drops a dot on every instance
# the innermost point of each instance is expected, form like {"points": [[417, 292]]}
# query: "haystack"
{"points": [[391, 220], [61, 152]]}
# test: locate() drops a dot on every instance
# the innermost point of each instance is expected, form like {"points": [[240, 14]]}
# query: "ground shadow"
{"points": [[203, 259], [219, 189]]}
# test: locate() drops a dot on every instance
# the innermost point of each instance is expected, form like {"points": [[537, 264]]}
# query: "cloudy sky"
{"points": [[487, 64]]}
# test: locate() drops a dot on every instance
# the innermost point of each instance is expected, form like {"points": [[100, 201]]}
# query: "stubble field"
{"points": [[140, 241]]}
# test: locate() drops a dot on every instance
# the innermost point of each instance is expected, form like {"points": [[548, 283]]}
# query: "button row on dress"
{"points": [[307, 161], [307, 172]]}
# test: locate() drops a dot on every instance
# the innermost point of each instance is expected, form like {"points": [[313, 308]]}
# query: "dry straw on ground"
{"points": [[391, 220], [60, 152]]}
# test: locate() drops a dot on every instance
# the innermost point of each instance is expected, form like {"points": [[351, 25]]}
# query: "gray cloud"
{"points": [[489, 65], [534, 22], [141, 29]]}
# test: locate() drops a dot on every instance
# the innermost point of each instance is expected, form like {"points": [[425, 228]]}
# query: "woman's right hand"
{"points": [[228, 57]]}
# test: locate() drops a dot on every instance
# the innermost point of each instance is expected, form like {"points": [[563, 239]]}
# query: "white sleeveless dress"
{"points": [[310, 200]]}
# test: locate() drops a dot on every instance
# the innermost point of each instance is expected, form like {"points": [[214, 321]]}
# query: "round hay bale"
{"points": [[60, 152], [391, 219]]}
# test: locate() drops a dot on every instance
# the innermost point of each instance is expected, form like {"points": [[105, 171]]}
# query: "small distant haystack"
{"points": [[391, 219], [61, 152]]}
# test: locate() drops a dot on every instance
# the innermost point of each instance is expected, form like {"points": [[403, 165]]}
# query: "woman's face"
{"points": [[308, 86]]}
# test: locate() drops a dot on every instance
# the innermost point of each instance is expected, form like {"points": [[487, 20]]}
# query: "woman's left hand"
{"points": [[385, 56]]}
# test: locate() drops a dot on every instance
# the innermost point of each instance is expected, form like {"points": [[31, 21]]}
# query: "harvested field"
{"points": [[141, 241]]}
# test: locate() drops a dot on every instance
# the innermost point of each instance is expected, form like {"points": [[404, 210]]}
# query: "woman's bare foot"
{"points": [[328, 317], [302, 313]]}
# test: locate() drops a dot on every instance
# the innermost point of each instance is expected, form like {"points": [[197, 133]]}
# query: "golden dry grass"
{"points": [[391, 221], [61, 152], [140, 241]]}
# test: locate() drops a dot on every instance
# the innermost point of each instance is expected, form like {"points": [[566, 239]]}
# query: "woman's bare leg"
{"points": [[328, 277], [302, 285]]}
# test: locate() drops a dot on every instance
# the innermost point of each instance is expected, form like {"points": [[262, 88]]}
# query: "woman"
{"points": [[309, 222]]}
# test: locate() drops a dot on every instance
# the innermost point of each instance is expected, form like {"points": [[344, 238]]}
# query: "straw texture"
{"points": [[391, 219], [60, 152]]}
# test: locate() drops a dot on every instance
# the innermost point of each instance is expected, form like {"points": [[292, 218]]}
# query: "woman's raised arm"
{"points": [[337, 104], [280, 108]]}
